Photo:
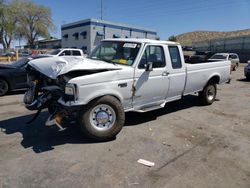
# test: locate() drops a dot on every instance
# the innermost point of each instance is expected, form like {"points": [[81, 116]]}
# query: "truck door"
{"points": [[177, 73], [151, 87]]}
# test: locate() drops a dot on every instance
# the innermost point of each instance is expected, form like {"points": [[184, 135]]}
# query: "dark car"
{"points": [[13, 76], [199, 57]]}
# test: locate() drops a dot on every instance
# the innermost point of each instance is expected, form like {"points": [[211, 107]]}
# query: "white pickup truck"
{"points": [[124, 75], [66, 52]]}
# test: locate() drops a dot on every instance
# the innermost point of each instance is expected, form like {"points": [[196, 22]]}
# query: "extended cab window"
{"points": [[154, 54], [76, 53], [65, 52], [175, 57]]}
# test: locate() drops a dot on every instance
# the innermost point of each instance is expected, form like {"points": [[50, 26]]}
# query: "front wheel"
{"points": [[4, 87], [102, 119], [208, 94]]}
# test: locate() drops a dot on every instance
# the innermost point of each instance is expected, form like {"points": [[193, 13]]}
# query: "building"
{"points": [[45, 44], [52, 43], [86, 34], [239, 45]]}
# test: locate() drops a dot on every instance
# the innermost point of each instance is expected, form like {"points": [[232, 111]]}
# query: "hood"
{"points": [[6, 66], [55, 66]]}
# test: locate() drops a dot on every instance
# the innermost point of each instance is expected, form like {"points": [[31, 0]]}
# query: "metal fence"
{"points": [[239, 45]]}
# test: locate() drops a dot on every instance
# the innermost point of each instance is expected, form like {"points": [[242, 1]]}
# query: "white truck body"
{"points": [[151, 88], [123, 75]]}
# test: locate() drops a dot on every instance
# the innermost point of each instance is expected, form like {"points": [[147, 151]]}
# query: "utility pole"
{"points": [[101, 10]]}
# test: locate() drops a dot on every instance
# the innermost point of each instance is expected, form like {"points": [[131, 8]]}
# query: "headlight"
{"points": [[70, 92], [70, 89]]}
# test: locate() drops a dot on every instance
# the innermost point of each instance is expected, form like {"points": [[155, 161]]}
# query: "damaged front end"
{"points": [[48, 80], [43, 93]]}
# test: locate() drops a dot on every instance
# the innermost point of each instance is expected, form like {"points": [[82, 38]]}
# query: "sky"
{"points": [[167, 17]]}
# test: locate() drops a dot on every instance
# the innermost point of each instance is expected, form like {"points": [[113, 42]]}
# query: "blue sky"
{"points": [[167, 17]]}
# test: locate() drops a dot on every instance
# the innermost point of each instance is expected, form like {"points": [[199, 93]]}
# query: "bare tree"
{"points": [[34, 21], [8, 20]]}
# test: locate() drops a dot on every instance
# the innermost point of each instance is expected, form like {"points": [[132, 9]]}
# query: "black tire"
{"points": [[109, 123], [248, 77], [4, 87], [208, 94]]}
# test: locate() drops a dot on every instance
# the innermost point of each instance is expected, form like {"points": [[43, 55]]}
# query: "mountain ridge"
{"points": [[200, 35]]}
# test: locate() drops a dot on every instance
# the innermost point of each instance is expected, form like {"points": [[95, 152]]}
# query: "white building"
{"points": [[86, 34]]}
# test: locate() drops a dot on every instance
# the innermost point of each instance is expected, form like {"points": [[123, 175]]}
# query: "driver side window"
{"points": [[154, 54]]}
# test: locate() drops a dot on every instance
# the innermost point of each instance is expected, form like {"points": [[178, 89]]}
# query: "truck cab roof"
{"points": [[142, 40]]}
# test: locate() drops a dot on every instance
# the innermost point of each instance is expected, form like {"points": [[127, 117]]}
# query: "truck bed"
{"points": [[199, 74]]}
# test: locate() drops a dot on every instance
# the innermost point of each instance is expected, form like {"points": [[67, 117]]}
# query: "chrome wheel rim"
{"points": [[102, 117], [3, 87], [210, 93]]}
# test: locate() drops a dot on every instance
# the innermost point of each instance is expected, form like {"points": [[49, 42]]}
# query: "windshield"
{"points": [[20, 62], [54, 52], [116, 52], [219, 56]]}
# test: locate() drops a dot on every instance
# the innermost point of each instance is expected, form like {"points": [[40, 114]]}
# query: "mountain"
{"points": [[196, 36]]}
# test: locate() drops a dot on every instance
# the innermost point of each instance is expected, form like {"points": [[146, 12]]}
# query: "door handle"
{"points": [[165, 73]]}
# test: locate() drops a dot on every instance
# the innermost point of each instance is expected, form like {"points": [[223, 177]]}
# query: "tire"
{"points": [[208, 95], [102, 119], [4, 87], [248, 77]]}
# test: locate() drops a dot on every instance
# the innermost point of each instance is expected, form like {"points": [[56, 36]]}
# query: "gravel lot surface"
{"points": [[191, 146]]}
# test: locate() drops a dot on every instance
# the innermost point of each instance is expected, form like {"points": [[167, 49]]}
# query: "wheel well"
{"points": [[103, 96], [1, 77], [214, 79]]}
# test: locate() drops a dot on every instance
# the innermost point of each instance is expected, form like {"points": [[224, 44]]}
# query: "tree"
{"points": [[34, 21], [8, 20], [1, 23], [172, 38]]}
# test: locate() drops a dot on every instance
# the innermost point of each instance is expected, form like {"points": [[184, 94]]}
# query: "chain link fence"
{"points": [[239, 45]]}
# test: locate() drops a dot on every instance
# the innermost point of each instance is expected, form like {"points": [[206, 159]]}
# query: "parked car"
{"points": [[120, 75], [234, 58], [247, 71], [13, 76], [66, 52]]}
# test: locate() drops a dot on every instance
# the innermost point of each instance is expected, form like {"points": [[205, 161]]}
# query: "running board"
{"points": [[150, 108]]}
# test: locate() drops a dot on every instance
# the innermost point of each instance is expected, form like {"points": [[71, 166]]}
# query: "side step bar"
{"points": [[147, 109]]}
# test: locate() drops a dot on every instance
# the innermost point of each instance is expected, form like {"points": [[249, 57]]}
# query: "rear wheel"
{"points": [[4, 87], [102, 119], [207, 96], [248, 77]]}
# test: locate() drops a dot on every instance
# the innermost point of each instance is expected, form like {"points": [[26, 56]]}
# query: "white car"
{"points": [[233, 57], [66, 52], [120, 75]]}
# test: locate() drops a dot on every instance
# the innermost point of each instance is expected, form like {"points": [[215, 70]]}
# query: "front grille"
{"points": [[67, 98]]}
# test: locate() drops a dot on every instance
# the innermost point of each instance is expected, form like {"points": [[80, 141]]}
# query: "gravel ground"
{"points": [[191, 146]]}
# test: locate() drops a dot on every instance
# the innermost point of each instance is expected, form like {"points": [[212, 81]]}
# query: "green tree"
{"points": [[34, 21], [172, 38]]}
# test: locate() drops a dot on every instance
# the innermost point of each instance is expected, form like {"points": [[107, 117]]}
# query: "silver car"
{"points": [[234, 58]]}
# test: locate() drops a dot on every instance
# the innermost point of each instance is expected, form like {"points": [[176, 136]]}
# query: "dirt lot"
{"points": [[191, 145]]}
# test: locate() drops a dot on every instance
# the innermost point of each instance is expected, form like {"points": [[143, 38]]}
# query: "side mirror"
{"points": [[149, 66]]}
